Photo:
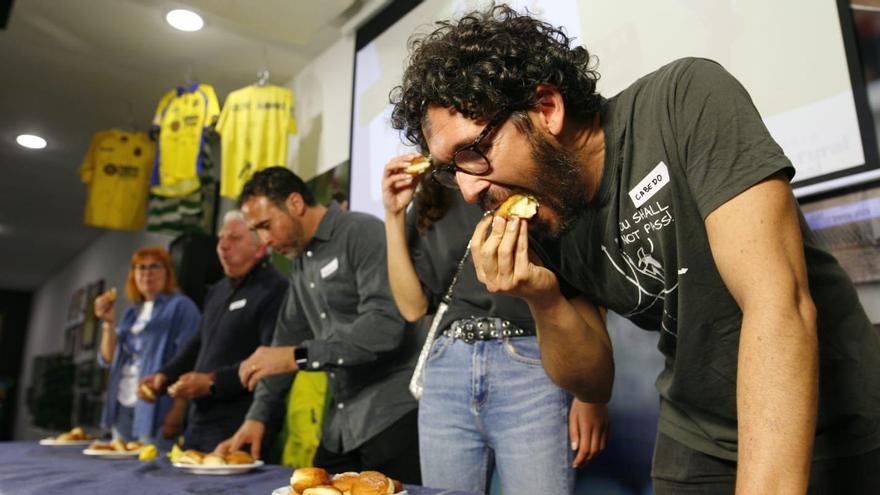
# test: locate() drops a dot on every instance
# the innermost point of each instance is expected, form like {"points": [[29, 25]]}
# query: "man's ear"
{"points": [[551, 108], [295, 204], [261, 250]]}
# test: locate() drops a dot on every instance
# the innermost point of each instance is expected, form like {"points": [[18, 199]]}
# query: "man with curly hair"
{"points": [[669, 204]]}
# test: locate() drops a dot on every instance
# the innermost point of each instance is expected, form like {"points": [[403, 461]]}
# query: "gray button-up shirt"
{"points": [[339, 306]]}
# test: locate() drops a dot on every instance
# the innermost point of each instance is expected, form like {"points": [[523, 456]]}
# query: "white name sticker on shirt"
{"points": [[237, 304], [330, 268], [648, 187]]}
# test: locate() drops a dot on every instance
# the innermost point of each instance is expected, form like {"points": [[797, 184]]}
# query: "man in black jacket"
{"points": [[239, 316]]}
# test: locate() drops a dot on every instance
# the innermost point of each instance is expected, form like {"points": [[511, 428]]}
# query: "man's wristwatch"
{"points": [[301, 356]]}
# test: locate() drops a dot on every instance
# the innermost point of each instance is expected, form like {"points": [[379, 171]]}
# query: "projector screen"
{"points": [[795, 66]]}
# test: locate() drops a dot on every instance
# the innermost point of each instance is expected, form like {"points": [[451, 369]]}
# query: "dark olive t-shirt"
{"points": [[679, 143]]}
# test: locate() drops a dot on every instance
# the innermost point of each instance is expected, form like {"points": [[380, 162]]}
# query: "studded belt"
{"points": [[473, 329]]}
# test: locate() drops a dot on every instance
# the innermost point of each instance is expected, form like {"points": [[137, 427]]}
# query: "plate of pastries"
{"points": [[237, 462], [317, 481], [117, 449], [76, 436]]}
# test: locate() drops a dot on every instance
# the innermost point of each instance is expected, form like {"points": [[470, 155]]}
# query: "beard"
{"points": [[559, 183]]}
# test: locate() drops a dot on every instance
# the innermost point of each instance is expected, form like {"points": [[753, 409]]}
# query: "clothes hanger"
{"points": [[262, 77], [263, 73]]}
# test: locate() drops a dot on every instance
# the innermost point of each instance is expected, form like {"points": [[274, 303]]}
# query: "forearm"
{"points": [[108, 341], [184, 361], [575, 348], [177, 413], [777, 390], [402, 277]]}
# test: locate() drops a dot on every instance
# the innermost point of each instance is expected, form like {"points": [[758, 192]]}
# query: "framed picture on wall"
{"points": [[72, 336], [76, 308], [90, 321]]}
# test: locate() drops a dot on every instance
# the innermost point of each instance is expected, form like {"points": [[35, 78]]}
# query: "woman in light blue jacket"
{"points": [[150, 333]]}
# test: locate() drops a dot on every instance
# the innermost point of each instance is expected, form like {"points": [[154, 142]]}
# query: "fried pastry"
{"points": [[238, 457], [344, 481], [321, 490], [192, 457], [518, 205], [309, 477], [372, 483], [418, 165], [213, 460]]}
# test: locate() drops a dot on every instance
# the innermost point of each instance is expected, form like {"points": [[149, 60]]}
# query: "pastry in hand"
{"points": [[213, 460], [308, 477], [239, 457], [518, 205], [418, 165], [148, 392], [322, 490]]}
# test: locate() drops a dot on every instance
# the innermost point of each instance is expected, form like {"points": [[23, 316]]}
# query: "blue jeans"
{"points": [[491, 403]]}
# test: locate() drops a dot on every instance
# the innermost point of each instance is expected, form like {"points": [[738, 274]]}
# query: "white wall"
{"points": [[323, 111], [108, 258]]}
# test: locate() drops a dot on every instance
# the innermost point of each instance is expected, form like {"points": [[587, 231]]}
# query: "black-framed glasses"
{"points": [[469, 159]]}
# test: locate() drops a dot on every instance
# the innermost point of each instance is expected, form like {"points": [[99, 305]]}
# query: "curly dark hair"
{"points": [[489, 61]]}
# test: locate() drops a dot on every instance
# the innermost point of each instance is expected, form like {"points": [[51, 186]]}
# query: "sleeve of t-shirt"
{"points": [[160, 109], [87, 167], [722, 139]]}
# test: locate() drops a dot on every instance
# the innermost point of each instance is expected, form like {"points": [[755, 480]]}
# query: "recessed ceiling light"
{"points": [[184, 20], [31, 141]]}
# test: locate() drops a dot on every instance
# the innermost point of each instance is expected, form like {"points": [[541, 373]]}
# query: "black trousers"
{"points": [[394, 452], [678, 469], [204, 435]]}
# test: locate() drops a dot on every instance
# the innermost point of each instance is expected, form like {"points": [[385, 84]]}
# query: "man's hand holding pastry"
{"points": [[249, 433], [150, 386], [192, 385], [500, 250]]}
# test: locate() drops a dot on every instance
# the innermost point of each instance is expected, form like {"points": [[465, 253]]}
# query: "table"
{"points": [[30, 469]]}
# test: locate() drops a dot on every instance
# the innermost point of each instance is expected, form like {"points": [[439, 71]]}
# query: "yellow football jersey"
{"points": [[254, 126], [117, 170], [181, 117]]}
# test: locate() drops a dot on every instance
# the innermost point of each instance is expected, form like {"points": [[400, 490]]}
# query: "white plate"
{"points": [[224, 469], [285, 490], [112, 454], [51, 442]]}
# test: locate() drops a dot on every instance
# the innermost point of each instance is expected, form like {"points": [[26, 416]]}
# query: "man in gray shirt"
{"points": [[338, 316]]}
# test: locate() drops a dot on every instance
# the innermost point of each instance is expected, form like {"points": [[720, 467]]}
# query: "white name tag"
{"points": [[330, 268], [237, 304], [648, 187]]}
